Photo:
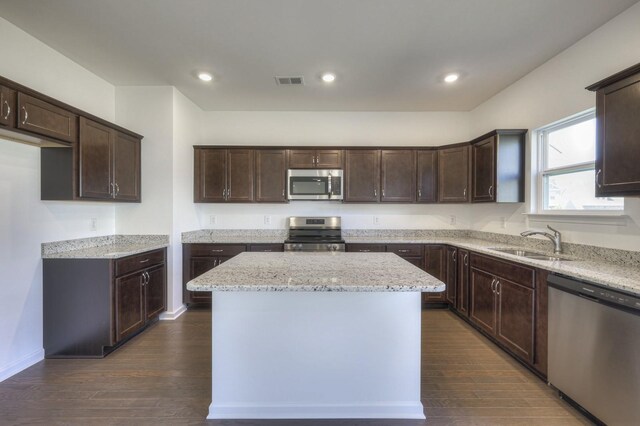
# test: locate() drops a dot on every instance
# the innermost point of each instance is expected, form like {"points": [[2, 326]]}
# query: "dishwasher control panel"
{"points": [[594, 291]]}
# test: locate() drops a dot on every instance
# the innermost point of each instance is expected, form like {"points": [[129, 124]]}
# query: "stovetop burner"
{"points": [[315, 234]]}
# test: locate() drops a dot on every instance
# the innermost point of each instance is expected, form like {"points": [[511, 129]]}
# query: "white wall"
{"points": [[552, 92], [333, 129], [25, 221]]}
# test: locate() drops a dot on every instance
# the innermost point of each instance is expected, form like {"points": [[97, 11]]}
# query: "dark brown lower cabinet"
{"points": [[452, 275], [200, 258], [503, 302], [91, 306], [435, 263]]}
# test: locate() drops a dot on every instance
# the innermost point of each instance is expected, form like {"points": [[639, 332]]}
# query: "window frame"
{"points": [[541, 189]]}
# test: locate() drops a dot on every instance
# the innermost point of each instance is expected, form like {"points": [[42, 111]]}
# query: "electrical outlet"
{"points": [[267, 219], [212, 219], [94, 223], [452, 220], [503, 222], [376, 220]]}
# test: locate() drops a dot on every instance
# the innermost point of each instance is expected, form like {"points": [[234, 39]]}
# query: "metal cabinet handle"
{"points": [[464, 193], [117, 190], [454, 255], [283, 193], [26, 115], [228, 192], [8, 110], [148, 277], [144, 261], [382, 192], [143, 280], [215, 262], [375, 192], [493, 281], [364, 250], [465, 260], [597, 178], [420, 193], [217, 250], [113, 191], [491, 191], [403, 250], [498, 287]]}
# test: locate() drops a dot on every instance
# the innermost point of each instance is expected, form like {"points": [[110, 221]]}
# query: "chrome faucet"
{"points": [[556, 238]]}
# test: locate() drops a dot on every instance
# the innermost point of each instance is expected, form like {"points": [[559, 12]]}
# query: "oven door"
{"points": [[314, 184]]}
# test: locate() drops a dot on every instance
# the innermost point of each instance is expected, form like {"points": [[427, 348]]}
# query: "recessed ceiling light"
{"points": [[450, 78], [205, 76], [328, 77]]}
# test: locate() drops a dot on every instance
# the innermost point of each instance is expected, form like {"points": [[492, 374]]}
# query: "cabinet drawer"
{"points": [[266, 247], [139, 261], [365, 248], [217, 249], [41, 117], [512, 271], [405, 250]]}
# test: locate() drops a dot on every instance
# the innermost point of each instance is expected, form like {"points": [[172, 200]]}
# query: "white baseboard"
{"points": [[355, 411], [21, 364], [173, 315]]}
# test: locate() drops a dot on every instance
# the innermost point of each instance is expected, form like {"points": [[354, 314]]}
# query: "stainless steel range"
{"points": [[315, 234]]}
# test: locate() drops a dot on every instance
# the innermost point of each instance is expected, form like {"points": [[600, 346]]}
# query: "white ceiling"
{"points": [[389, 55]]}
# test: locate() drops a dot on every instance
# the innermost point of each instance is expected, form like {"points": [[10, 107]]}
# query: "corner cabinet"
{"points": [[453, 174], [618, 134], [223, 175], [497, 167], [92, 306]]}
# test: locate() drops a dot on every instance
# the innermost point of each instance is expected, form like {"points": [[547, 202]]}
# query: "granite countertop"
{"points": [[105, 247], [336, 271], [235, 236], [609, 274]]}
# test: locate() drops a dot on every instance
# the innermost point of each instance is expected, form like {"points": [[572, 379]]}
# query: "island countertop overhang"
{"points": [[339, 271]]}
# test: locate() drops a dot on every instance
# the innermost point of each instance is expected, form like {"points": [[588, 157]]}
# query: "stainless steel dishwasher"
{"points": [[594, 348]]}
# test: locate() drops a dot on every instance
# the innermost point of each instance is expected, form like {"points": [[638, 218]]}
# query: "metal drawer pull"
{"points": [[217, 250], [419, 193], [144, 261], [8, 110], [597, 178], [491, 191], [493, 281], [26, 115], [364, 250], [117, 190], [465, 259], [404, 250], [498, 287], [464, 193]]}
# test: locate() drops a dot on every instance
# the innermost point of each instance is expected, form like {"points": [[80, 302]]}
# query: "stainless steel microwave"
{"points": [[314, 184]]}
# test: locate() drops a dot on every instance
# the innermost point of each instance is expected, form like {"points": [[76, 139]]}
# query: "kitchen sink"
{"points": [[530, 254]]}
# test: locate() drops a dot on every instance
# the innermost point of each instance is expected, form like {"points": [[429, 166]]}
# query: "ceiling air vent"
{"points": [[290, 81]]}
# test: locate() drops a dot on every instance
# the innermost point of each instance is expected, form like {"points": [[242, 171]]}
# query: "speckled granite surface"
{"points": [[366, 272], [104, 247], [231, 236]]}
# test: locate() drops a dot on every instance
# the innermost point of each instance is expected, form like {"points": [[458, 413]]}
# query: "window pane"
{"points": [[576, 191], [572, 145]]}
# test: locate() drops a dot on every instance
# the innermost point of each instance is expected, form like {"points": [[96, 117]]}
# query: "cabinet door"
{"points": [[436, 265], [484, 170], [210, 175], [462, 299], [156, 292], [239, 175], [95, 160], [453, 175], [198, 266], [427, 176], [482, 300], [302, 158], [271, 175], [126, 167], [398, 172], [515, 317], [37, 116], [7, 107], [362, 175], [617, 136], [452, 275], [130, 303], [329, 158]]}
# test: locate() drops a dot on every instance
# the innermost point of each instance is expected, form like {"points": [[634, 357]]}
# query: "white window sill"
{"points": [[615, 218]]}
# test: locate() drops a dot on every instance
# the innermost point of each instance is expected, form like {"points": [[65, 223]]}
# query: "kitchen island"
{"points": [[316, 335]]}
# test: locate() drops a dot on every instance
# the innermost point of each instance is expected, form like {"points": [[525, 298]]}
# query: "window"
{"points": [[567, 168]]}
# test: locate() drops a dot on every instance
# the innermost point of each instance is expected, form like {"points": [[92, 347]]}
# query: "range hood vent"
{"points": [[290, 81]]}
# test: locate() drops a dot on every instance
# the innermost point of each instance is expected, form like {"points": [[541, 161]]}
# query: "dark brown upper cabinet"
{"points": [[7, 107], [453, 174], [497, 164], [271, 175], [42, 118], [315, 158], [104, 165], [398, 173], [618, 133], [223, 175], [427, 176], [362, 176], [109, 163]]}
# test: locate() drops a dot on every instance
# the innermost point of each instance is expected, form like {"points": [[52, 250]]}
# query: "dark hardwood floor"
{"points": [[163, 377]]}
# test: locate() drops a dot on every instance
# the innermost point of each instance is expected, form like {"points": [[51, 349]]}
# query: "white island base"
{"points": [[291, 354]]}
